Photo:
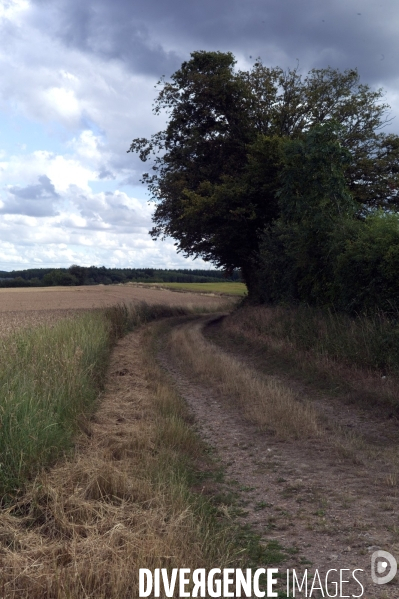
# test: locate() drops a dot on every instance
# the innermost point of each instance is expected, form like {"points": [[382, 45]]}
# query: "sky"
{"points": [[77, 85]]}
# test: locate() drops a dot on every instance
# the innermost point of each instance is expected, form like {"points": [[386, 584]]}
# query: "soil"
{"points": [[326, 510]]}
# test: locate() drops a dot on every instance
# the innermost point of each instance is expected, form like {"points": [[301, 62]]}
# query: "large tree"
{"points": [[298, 251], [216, 166]]}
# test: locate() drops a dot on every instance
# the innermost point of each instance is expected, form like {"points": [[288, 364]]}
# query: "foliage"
{"points": [[203, 145], [317, 252], [366, 269], [59, 277], [287, 106], [217, 163], [93, 275], [298, 250]]}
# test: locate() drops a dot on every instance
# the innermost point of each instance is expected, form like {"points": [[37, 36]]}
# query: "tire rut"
{"points": [[328, 512]]}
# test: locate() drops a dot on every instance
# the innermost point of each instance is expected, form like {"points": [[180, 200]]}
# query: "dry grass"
{"points": [[11, 322], [269, 329], [84, 528], [266, 401]]}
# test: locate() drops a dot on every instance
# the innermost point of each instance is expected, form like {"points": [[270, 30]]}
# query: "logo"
{"points": [[383, 567]]}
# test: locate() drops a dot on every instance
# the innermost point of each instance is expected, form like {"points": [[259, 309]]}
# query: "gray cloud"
{"points": [[120, 30], [105, 174], [32, 200], [153, 37], [107, 212], [93, 65]]}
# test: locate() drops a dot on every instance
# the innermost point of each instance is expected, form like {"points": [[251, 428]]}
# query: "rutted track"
{"points": [[299, 492]]}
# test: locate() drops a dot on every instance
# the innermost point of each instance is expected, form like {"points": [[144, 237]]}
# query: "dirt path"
{"points": [[85, 526], [331, 512]]}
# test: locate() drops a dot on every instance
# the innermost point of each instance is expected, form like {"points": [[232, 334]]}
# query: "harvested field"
{"points": [[95, 296], [26, 307], [228, 288]]}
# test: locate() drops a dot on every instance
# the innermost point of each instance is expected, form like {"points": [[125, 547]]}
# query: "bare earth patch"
{"points": [[333, 510]]}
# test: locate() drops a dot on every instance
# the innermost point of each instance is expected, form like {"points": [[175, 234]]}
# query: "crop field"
{"points": [[235, 289], [96, 296], [25, 307]]}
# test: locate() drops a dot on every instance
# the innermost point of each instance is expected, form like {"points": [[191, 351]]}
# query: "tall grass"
{"points": [[364, 342], [50, 378]]}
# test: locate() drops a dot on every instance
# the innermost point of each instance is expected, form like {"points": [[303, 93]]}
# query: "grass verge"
{"points": [[49, 381], [125, 500], [356, 356], [362, 341], [50, 378]]}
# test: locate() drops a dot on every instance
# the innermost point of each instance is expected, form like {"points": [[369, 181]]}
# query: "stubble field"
{"points": [[25, 307]]}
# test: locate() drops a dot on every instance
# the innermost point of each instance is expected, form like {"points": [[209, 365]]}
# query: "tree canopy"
{"points": [[219, 164]]}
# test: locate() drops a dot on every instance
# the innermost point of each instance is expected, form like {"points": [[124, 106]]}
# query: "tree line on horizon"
{"points": [[96, 275], [288, 179]]}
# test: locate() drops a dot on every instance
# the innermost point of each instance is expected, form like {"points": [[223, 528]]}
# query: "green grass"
{"points": [[238, 289], [50, 379]]}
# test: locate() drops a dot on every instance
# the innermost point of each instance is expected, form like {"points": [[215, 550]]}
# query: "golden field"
{"points": [[45, 305]]}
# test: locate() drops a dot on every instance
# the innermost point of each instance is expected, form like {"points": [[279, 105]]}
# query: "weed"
{"points": [[261, 505]]}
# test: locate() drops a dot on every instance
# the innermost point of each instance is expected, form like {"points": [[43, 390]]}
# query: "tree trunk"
{"points": [[250, 274]]}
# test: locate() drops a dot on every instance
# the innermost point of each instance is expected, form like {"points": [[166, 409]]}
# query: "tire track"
{"points": [[333, 513]]}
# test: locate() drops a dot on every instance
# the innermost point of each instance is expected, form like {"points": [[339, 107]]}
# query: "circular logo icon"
{"points": [[383, 567]]}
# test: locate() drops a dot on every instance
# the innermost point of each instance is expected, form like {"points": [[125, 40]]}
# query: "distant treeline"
{"points": [[96, 275]]}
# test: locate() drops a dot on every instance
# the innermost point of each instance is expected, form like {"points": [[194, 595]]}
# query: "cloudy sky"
{"points": [[77, 84]]}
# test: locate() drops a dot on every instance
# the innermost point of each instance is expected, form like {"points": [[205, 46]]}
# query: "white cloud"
{"points": [[61, 104], [54, 217], [62, 170], [12, 10], [86, 72], [54, 84]]}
